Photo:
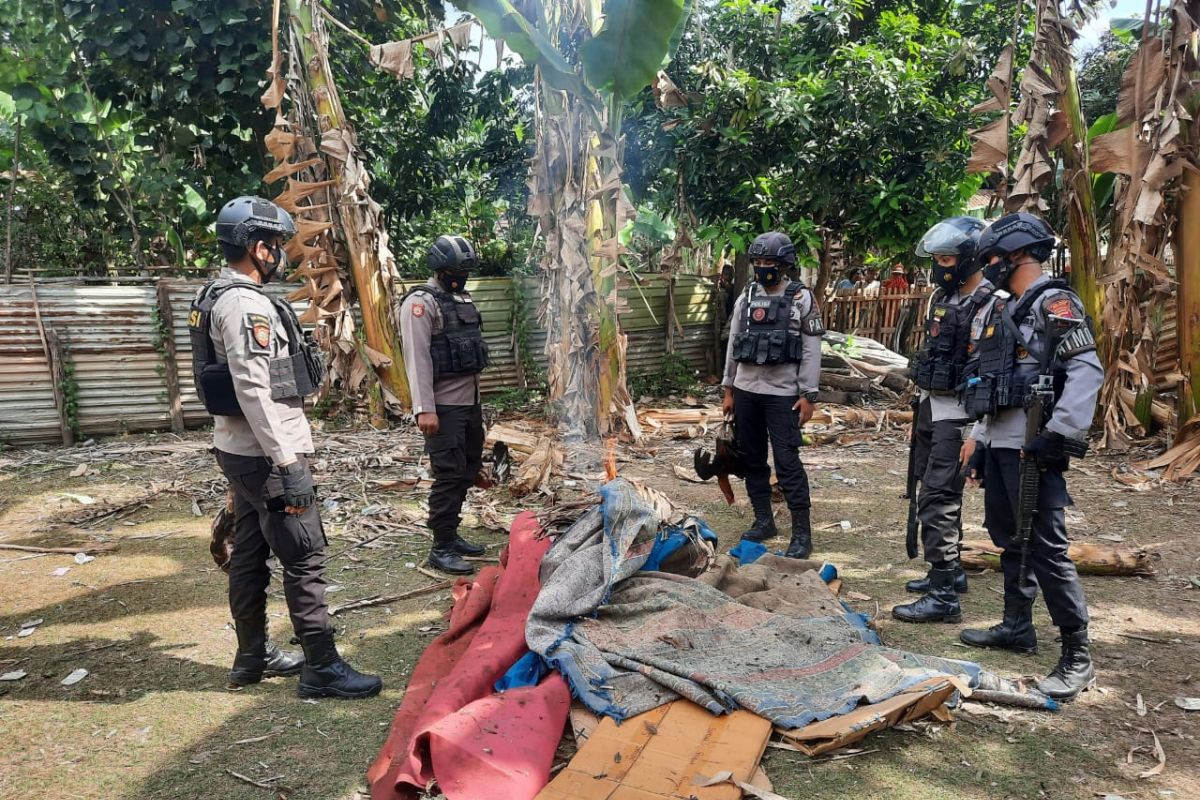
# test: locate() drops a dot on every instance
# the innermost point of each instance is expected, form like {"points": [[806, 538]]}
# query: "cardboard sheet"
{"points": [[927, 697], [656, 755]]}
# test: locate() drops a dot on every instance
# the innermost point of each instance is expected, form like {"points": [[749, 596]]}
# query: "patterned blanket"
{"points": [[629, 641]]}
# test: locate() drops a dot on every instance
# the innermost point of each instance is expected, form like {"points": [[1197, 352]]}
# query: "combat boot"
{"points": [[258, 657], [763, 527], [801, 544], [1015, 632], [940, 603], [921, 585], [464, 547], [1074, 672], [445, 557], [327, 675]]}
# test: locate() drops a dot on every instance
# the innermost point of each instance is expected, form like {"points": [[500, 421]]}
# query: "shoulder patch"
{"points": [[258, 328], [418, 309], [1061, 307]]}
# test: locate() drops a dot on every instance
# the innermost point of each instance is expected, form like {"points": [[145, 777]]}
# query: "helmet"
{"points": [[776, 246], [1014, 232], [452, 253], [244, 216], [956, 236]]}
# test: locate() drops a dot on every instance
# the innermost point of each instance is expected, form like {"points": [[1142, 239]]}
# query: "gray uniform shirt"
{"points": [[420, 320], [247, 333], [947, 406], [787, 379], [1072, 415]]}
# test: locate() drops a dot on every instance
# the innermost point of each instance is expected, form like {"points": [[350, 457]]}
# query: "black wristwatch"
{"points": [[811, 396]]}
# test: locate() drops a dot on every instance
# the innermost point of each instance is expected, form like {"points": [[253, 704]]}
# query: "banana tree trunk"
{"points": [[1186, 245], [1082, 225], [359, 216]]}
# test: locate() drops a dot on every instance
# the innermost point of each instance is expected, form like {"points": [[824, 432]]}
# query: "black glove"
{"points": [[1047, 449], [297, 484], [975, 463]]}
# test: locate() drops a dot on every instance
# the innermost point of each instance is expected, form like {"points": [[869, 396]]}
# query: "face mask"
{"points": [[946, 278], [453, 281], [767, 276], [998, 272], [276, 268]]}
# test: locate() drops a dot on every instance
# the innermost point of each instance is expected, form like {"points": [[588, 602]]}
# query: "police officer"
{"points": [[941, 419], [1032, 334], [772, 370], [444, 352], [253, 367]]}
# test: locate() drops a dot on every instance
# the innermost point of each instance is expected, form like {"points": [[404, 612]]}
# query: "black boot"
{"points": [[763, 527], [801, 544], [465, 548], [921, 585], [940, 603], [446, 557], [1015, 632], [258, 657], [327, 675], [1074, 672]]}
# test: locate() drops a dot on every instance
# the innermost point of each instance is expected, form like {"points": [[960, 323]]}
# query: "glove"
{"points": [[1047, 449], [297, 484]]}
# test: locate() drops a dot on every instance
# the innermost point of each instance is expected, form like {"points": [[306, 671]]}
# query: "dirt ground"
{"points": [[148, 621]]}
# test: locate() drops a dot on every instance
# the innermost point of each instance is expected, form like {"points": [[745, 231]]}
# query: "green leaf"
{"points": [[75, 102], [194, 201], [507, 24], [1127, 29], [627, 53], [226, 85], [1103, 125]]}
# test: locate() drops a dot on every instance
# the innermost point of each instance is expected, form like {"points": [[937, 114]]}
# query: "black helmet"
{"points": [[242, 217], [956, 236], [776, 246], [452, 253], [1014, 232]]}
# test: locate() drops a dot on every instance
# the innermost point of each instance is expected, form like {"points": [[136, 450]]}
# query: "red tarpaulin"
{"points": [[452, 726]]}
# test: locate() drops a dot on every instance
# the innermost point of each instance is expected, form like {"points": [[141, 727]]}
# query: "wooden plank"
{"points": [[166, 329], [50, 346]]}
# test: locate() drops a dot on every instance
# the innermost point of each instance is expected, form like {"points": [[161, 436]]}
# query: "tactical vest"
{"points": [[940, 364], [296, 375], [993, 381], [459, 349], [767, 336]]}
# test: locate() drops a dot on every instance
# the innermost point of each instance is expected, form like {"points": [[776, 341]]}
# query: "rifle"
{"points": [[910, 489], [1041, 396]]}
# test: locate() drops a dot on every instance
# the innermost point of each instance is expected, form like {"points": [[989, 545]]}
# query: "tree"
{"points": [[1100, 71]]}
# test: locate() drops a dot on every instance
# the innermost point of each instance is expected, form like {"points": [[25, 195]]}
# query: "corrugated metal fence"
{"points": [[115, 348]]}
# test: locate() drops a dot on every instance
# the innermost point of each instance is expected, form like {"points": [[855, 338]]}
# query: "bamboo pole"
{"points": [[166, 324], [372, 286]]}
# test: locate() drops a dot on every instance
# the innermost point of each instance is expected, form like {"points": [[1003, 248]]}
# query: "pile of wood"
{"points": [[872, 371]]}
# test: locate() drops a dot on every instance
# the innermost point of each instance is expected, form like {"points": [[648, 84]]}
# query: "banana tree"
{"points": [[590, 57]]}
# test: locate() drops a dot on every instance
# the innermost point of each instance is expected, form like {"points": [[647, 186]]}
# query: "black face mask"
{"points": [[946, 278], [453, 282], [768, 276], [269, 271], [998, 272]]}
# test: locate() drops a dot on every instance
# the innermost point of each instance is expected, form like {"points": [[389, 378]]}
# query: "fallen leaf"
{"points": [[1160, 755], [32, 623], [1140, 706], [13, 676], [1188, 703], [857, 596], [79, 471], [21, 634], [82, 499]]}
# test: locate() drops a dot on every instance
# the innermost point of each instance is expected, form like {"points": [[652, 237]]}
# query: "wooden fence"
{"points": [[895, 319], [111, 359]]}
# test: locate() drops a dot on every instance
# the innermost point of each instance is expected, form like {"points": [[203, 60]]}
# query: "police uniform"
{"points": [[250, 363], [774, 359], [444, 352], [941, 419], [1003, 366]]}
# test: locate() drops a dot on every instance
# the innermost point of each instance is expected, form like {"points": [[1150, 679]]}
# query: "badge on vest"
{"points": [[758, 314], [991, 330], [418, 309], [935, 328], [259, 327]]}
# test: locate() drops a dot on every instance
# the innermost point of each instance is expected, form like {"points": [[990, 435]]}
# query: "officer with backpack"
{"points": [[253, 367], [444, 352], [772, 373]]}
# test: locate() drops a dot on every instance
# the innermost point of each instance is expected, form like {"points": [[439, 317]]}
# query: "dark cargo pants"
{"points": [[298, 541], [1049, 565], [763, 419], [455, 458], [939, 501]]}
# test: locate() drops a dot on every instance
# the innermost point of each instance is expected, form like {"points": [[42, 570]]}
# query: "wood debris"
{"points": [[1089, 558]]}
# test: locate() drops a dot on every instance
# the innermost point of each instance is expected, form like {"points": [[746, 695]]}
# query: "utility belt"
{"points": [[989, 394], [937, 375]]}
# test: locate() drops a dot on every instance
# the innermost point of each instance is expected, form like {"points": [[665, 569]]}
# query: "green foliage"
{"points": [[843, 117], [624, 56], [1100, 71], [676, 375], [69, 385]]}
